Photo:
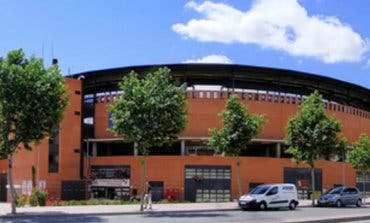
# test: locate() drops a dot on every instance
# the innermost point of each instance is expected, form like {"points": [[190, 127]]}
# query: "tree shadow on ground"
{"points": [[185, 215], [52, 217]]}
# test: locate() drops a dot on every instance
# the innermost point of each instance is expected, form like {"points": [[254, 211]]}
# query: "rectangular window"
{"points": [[208, 94], [263, 97], [243, 95], [249, 96], [54, 154], [215, 95], [102, 99], [299, 101], [282, 99], [110, 120]]}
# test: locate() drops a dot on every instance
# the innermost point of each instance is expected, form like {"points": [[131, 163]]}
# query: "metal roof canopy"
{"points": [[237, 76]]}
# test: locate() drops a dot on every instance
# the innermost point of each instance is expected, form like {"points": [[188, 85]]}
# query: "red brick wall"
{"points": [[170, 170], [69, 139], [203, 114]]}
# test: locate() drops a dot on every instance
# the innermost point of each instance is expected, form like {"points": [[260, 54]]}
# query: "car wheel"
{"points": [[339, 203], [292, 205], [263, 205], [359, 203]]}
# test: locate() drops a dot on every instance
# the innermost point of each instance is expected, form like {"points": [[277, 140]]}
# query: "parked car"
{"points": [[270, 196], [341, 196]]}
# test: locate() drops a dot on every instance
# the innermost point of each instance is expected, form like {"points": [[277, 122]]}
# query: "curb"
{"points": [[62, 214], [334, 220], [36, 215]]}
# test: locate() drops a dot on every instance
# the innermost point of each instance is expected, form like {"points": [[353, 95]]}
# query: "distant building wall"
{"points": [[203, 114], [69, 150], [170, 170]]}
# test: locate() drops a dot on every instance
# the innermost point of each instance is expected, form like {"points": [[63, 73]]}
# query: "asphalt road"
{"points": [[299, 215]]}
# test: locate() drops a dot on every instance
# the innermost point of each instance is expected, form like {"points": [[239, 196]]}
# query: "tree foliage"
{"points": [[359, 157], [32, 100], [150, 112], [311, 134], [239, 127]]}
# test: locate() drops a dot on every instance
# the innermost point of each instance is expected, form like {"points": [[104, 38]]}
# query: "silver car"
{"points": [[341, 196]]}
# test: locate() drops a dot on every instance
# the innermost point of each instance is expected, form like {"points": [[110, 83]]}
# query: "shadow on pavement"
{"points": [[35, 218], [271, 210], [341, 208], [185, 215]]}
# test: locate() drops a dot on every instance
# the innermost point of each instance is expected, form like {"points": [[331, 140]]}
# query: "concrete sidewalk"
{"points": [[5, 209]]}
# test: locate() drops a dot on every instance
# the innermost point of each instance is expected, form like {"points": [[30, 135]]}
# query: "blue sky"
{"points": [[325, 37]]}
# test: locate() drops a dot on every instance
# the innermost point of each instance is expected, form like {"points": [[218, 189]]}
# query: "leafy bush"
{"points": [[21, 201], [91, 202], [41, 196], [95, 201], [38, 197], [33, 199]]}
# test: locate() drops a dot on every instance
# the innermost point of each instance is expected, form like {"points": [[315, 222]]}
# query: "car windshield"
{"points": [[335, 190], [260, 190]]}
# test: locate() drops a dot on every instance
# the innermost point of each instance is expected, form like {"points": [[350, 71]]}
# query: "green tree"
{"points": [[311, 134], [32, 100], [359, 158], [238, 129], [150, 112]]}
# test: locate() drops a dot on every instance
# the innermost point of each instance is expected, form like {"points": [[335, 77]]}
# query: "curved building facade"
{"points": [[190, 169]]}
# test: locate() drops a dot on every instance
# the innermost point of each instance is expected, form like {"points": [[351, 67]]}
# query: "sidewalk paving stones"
{"points": [[5, 208], [158, 208]]}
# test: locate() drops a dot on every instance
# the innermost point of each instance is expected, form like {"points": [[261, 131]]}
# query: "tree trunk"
{"points": [[364, 186], [313, 185], [238, 162], [12, 191], [143, 179], [38, 167]]}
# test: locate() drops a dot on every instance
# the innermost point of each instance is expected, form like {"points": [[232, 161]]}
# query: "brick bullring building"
{"points": [[189, 169]]}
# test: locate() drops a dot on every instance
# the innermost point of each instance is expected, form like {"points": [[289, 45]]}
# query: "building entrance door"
{"points": [[302, 178], [157, 190], [207, 183], [3, 192]]}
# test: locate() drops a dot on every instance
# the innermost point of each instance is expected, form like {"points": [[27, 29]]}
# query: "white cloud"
{"points": [[213, 58], [280, 25]]}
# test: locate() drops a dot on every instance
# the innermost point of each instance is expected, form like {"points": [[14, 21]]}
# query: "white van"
{"points": [[270, 196]]}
